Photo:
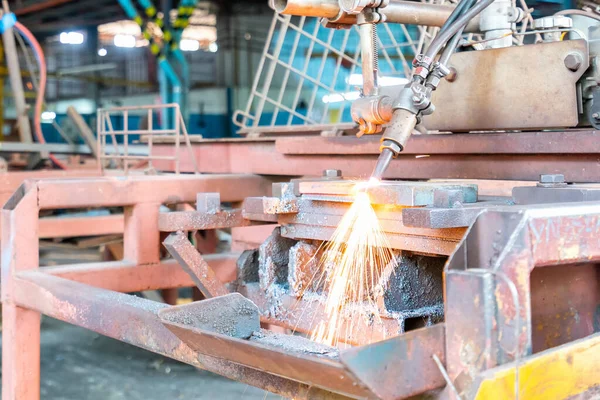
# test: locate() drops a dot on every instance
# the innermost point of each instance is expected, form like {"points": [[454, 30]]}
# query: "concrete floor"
{"points": [[79, 364]]}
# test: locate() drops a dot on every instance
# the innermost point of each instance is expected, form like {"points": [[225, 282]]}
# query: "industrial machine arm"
{"points": [[414, 99], [401, 113]]}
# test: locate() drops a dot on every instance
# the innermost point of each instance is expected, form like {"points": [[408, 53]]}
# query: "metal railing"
{"points": [[309, 74], [109, 117]]}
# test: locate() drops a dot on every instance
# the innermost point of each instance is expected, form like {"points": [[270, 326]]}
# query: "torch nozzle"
{"points": [[382, 163]]}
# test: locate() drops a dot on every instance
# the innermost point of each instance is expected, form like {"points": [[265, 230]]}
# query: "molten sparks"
{"points": [[351, 267]]}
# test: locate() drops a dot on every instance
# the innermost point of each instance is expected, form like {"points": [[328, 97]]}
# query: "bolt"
{"points": [[552, 178], [573, 61], [208, 203], [332, 173], [452, 75], [595, 115]]}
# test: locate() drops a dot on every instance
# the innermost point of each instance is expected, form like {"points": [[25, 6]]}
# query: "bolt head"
{"points": [[452, 75], [573, 61], [552, 178], [595, 115], [332, 173]]}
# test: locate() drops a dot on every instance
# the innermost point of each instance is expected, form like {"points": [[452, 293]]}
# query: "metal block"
{"points": [[448, 197], [518, 87], [230, 315], [303, 268], [273, 259], [555, 194], [209, 203], [440, 218], [194, 220], [395, 193]]}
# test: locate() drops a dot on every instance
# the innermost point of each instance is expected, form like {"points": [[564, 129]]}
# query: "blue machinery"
{"points": [[174, 83]]}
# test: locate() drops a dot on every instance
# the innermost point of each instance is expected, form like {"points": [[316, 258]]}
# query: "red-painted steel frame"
{"points": [[87, 294]]}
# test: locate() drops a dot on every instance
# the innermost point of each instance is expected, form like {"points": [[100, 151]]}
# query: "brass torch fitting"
{"points": [[371, 112], [398, 131]]}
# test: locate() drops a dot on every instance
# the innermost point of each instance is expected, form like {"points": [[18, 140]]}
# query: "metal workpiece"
{"points": [[236, 316], [392, 193], [440, 217], [396, 11], [550, 193]]}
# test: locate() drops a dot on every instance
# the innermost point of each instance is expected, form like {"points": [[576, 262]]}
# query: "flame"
{"points": [[352, 264]]}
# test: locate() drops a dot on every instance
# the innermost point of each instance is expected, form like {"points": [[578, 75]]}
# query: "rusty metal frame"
{"points": [[498, 156], [487, 293], [85, 294]]}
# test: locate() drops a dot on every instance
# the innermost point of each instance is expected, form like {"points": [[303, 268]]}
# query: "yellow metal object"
{"points": [[154, 49], [557, 373], [151, 11]]}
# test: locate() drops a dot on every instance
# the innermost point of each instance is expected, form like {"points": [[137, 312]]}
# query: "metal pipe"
{"points": [[417, 13], [397, 11], [308, 8], [369, 58], [16, 83]]}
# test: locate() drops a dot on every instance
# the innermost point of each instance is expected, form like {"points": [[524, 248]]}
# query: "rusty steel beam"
{"points": [[197, 221], [125, 277], [262, 157], [408, 194], [573, 141], [60, 227], [420, 244], [135, 321], [164, 189], [180, 248]]}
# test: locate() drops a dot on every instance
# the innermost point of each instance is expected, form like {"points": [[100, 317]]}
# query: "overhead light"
{"points": [[48, 117], [102, 52], [339, 97], [71, 37], [213, 47], [357, 80], [121, 40], [189, 45]]}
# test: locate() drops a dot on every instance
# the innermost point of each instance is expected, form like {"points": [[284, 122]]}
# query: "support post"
{"points": [[141, 236], [21, 327]]}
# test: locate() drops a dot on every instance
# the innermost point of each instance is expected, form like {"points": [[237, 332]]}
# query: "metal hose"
{"points": [[451, 45], [583, 13], [443, 37]]}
